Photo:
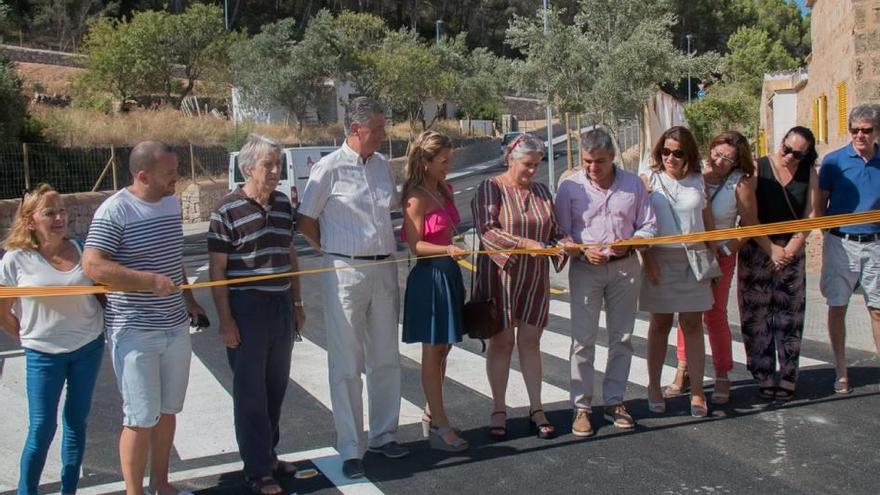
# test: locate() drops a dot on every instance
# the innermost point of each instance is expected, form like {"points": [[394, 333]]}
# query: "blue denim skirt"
{"points": [[433, 302]]}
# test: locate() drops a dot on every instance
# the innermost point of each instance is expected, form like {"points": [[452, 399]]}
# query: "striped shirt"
{"points": [[352, 200], [146, 237], [519, 283], [256, 240]]}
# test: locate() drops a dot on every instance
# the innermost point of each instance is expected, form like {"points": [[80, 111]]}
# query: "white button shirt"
{"points": [[352, 201]]}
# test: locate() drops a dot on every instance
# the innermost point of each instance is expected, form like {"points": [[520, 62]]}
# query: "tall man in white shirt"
{"points": [[346, 213]]}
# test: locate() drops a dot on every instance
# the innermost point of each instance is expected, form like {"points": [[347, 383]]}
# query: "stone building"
{"points": [[842, 71]]}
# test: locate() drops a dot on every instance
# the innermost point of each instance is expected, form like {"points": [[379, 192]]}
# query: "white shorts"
{"points": [[152, 372], [849, 264]]}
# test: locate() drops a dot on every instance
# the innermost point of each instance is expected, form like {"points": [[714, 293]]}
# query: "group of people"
{"points": [[135, 244]]}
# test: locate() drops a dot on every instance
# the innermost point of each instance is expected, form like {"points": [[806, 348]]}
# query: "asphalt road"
{"points": [[818, 443]]}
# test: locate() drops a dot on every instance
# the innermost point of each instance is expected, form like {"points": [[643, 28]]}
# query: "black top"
{"points": [[772, 206]]}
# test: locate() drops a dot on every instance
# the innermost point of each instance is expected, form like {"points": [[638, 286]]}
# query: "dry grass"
{"points": [[83, 127], [48, 79]]}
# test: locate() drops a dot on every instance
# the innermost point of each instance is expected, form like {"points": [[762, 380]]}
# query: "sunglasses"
{"points": [[867, 131], [676, 153], [798, 155]]}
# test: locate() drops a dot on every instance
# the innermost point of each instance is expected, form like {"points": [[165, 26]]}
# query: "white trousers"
{"points": [[361, 318], [616, 285]]}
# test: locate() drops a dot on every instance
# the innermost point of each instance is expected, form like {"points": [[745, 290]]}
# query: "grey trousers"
{"points": [[615, 286]]}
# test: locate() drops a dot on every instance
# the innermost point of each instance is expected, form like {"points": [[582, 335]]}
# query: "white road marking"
{"points": [[469, 370], [205, 427], [309, 371], [14, 427]]}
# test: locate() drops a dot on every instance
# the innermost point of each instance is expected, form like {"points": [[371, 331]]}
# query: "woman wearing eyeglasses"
{"points": [[727, 174], [679, 200], [771, 278]]}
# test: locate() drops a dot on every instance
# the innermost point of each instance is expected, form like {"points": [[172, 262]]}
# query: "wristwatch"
{"points": [[725, 250], [297, 304]]}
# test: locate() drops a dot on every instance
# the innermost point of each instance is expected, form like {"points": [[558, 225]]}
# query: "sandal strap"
{"points": [[497, 413], [536, 411]]}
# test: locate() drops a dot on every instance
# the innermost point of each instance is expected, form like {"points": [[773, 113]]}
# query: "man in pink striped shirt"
{"points": [[599, 205]]}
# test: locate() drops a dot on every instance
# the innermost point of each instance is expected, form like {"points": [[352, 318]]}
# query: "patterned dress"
{"points": [[520, 284]]}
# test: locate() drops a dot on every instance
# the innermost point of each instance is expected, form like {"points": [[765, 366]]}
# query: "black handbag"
{"points": [[480, 317]]}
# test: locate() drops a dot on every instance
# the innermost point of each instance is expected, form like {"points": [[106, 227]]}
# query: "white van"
{"points": [[296, 163]]}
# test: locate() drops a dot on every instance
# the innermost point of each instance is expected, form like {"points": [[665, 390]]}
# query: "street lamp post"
{"points": [[551, 169], [226, 14], [689, 37]]}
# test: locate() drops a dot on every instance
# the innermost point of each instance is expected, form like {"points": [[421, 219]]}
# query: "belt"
{"points": [[369, 258], [622, 256], [856, 237], [629, 253]]}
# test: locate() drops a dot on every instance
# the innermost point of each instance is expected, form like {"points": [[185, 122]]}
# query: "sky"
{"points": [[801, 4]]}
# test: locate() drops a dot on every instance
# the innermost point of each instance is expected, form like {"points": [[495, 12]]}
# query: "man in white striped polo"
{"points": [[346, 213], [136, 241]]}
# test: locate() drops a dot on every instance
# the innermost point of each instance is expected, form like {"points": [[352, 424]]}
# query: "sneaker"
{"points": [[581, 426], [618, 415], [391, 450], [353, 468]]}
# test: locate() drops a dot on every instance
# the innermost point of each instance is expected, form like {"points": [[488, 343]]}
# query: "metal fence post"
{"points": [[568, 141], [192, 163], [26, 165], [113, 164]]}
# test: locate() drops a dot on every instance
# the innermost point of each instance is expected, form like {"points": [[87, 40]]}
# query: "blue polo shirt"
{"points": [[854, 185]]}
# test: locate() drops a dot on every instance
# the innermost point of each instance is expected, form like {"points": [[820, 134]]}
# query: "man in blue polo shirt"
{"points": [[849, 181]]}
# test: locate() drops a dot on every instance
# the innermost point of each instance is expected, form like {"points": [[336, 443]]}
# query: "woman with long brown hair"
{"points": [[432, 313], [61, 336], [679, 200]]}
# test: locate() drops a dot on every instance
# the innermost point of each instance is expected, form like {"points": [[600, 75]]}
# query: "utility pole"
{"points": [[438, 27], [550, 166], [226, 14], [689, 37]]}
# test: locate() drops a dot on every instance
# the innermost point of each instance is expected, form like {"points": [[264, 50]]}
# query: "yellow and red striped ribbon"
{"points": [[788, 227]]}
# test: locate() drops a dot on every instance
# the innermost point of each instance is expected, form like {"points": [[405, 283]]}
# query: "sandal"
{"points": [[283, 469], [544, 430], [498, 432], [426, 425], [721, 394], [258, 486], [784, 394], [841, 386], [768, 392], [680, 384]]}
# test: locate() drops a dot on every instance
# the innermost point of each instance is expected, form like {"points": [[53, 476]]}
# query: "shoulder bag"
{"points": [[702, 261]]}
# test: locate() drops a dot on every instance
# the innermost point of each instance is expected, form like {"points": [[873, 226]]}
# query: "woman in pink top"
{"points": [[434, 289]]}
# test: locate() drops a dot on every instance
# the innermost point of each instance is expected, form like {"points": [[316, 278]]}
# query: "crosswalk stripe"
{"points": [[562, 309], [309, 371], [15, 426], [469, 369], [205, 426], [325, 459]]}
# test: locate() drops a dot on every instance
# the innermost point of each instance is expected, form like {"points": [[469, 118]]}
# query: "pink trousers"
{"points": [[715, 321]]}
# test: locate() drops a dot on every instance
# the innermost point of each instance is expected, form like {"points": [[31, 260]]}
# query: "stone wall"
{"points": [[48, 57], [80, 209], [846, 49], [198, 199]]}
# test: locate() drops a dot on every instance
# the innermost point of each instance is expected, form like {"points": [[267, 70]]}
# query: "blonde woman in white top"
{"points": [[679, 201], [61, 336], [728, 172]]}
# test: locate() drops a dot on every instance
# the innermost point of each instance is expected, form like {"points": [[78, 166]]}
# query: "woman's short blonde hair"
{"points": [[20, 236]]}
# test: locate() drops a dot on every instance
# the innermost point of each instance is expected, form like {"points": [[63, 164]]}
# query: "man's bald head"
{"points": [[146, 154]]}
